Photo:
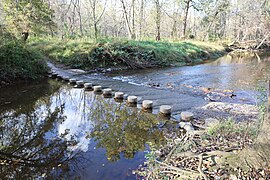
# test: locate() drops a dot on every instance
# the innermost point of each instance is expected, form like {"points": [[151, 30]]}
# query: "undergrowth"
{"points": [[17, 62], [231, 128]]}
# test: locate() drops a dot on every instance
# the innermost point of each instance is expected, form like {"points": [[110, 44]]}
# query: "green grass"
{"points": [[232, 128], [17, 62], [89, 54], [181, 52]]}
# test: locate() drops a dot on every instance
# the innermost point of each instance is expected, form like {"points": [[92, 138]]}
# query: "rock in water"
{"points": [[187, 116], [165, 109], [97, 88], [132, 99], [119, 95], [147, 104]]}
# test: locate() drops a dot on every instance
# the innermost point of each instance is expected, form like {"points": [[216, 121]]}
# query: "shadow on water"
{"points": [[54, 131], [22, 96]]}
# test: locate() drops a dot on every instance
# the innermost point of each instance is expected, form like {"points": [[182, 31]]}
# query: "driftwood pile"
{"points": [[260, 44]]}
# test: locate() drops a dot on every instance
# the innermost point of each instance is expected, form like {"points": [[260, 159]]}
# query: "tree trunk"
{"points": [[25, 36], [93, 6], [80, 18], [174, 29], [95, 31], [130, 34], [209, 26], [133, 20], [158, 19], [141, 18], [96, 18], [185, 17]]}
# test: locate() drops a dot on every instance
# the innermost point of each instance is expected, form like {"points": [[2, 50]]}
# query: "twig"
{"points": [[175, 147], [211, 153], [178, 169], [262, 41], [148, 176], [200, 167], [180, 174], [258, 57]]}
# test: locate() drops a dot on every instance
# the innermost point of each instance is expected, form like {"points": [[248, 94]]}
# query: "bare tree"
{"points": [[131, 33], [158, 19], [96, 18], [187, 7], [174, 16], [237, 20], [141, 17], [218, 9]]}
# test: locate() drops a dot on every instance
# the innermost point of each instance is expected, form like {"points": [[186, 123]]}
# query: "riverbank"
{"points": [[24, 62], [214, 148], [125, 54], [209, 150], [18, 62]]}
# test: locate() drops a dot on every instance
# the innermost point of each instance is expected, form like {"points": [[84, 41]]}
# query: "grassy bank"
{"points": [[17, 62], [118, 53]]}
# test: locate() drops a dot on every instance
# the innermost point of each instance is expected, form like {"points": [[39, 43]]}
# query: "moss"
{"points": [[107, 53]]}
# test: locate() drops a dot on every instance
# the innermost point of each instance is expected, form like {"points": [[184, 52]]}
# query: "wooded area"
{"points": [[134, 89], [235, 20]]}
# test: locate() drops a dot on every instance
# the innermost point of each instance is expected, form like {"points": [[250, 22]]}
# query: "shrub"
{"points": [[17, 62]]}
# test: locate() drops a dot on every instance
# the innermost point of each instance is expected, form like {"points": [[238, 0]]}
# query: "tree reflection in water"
{"points": [[29, 143], [48, 138], [122, 129], [30, 146]]}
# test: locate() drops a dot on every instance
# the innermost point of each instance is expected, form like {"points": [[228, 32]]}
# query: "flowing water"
{"points": [[49, 129], [239, 73]]}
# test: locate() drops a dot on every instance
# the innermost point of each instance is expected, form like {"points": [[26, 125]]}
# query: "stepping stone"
{"points": [[187, 116], [165, 109]]}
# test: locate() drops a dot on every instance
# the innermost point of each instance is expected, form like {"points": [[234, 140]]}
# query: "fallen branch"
{"points": [[175, 147], [200, 167], [208, 154], [180, 174], [191, 172], [262, 41]]}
